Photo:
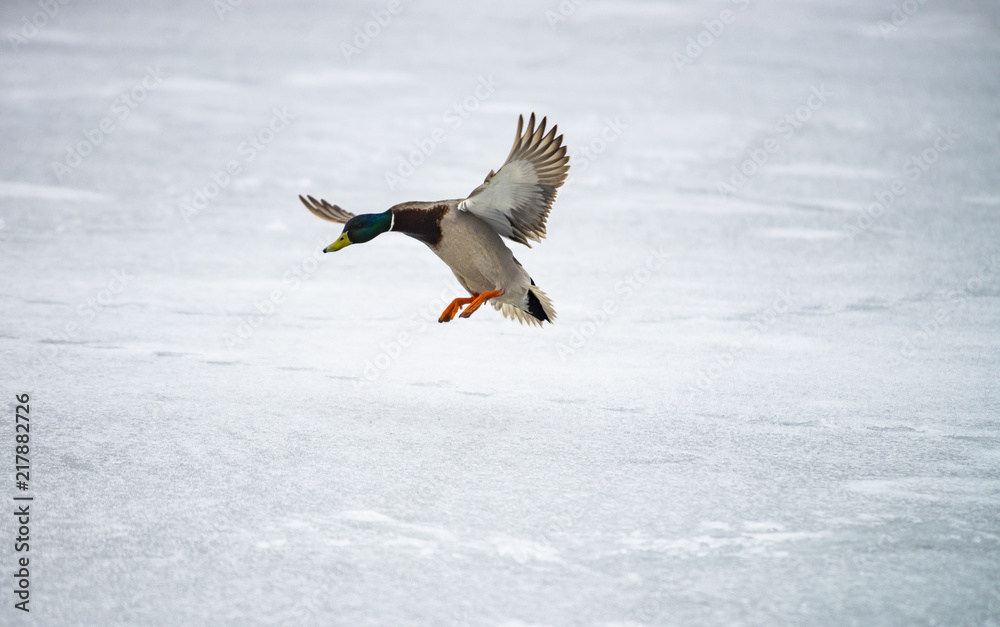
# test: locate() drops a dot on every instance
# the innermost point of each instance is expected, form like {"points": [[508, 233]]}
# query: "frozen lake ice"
{"points": [[771, 396]]}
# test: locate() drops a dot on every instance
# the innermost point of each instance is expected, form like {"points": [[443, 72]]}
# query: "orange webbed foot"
{"points": [[478, 301], [449, 312]]}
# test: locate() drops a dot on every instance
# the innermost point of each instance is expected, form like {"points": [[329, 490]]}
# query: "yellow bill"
{"points": [[342, 242]]}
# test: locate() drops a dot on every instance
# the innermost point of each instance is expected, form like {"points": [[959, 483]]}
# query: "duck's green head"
{"points": [[361, 229]]}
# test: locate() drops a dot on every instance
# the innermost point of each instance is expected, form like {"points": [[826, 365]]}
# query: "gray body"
{"points": [[471, 248], [479, 258]]}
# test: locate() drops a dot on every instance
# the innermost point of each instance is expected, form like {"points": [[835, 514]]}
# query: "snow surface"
{"points": [[790, 416]]}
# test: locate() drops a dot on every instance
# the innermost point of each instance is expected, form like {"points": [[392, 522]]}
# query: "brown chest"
{"points": [[422, 224]]}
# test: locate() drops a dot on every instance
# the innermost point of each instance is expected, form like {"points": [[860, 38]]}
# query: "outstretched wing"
{"points": [[516, 200], [323, 209]]}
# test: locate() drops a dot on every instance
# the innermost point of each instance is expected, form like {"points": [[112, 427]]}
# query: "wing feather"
{"points": [[326, 211], [516, 199]]}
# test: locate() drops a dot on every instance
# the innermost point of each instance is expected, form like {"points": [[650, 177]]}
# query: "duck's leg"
{"points": [[452, 309], [479, 300]]}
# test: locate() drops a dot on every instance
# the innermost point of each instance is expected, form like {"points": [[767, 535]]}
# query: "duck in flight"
{"points": [[513, 202]]}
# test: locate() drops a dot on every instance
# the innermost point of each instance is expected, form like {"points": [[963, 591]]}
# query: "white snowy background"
{"points": [[789, 416]]}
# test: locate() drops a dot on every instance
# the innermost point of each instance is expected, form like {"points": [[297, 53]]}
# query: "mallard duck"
{"points": [[513, 202]]}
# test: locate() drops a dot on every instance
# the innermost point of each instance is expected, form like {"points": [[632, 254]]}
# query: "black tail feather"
{"points": [[535, 307]]}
